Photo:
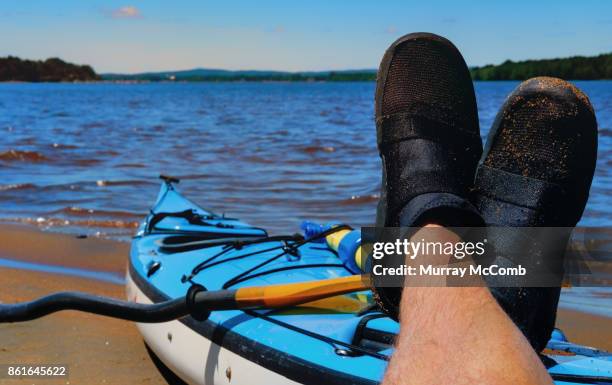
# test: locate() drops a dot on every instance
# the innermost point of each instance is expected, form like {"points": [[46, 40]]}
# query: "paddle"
{"points": [[198, 302]]}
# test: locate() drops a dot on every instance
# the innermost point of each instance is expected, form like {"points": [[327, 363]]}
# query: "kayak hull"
{"points": [[196, 359]]}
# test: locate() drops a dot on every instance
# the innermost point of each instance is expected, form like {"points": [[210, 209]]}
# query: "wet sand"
{"points": [[98, 350], [101, 350], [586, 329]]}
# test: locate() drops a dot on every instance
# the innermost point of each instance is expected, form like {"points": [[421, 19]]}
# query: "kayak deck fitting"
{"points": [[340, 340]]}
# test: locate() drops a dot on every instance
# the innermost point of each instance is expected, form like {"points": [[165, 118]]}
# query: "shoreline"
{"points": [[109, 350], [256, 81], [30, 244]]}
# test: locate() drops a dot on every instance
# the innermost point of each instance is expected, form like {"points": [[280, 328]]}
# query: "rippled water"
{"points": [[84, 158]]}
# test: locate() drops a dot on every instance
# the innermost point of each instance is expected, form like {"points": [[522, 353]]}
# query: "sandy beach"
{"points": [[98, 350], [101, 350]]}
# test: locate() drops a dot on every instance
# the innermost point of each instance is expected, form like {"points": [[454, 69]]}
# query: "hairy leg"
{"points": [[459, 335]]}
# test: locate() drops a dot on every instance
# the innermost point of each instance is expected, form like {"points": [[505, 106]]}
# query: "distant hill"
{"points": [[571, 68], [204, 74], [50, 70]]}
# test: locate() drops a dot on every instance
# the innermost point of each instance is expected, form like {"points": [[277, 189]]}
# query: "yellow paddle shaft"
{"points": [[298, 293]]}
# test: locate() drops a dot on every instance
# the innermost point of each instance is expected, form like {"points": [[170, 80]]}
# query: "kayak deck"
{"points": [[344, 335]]}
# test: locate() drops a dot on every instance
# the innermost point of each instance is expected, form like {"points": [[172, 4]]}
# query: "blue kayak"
{"points": [[341, 340]]}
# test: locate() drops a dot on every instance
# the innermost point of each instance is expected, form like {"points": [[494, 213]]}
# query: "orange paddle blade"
{"points": [[298, 293]]}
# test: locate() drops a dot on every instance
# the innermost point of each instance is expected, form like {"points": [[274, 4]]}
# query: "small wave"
{"points": [[131, 165], [229, 120], [195, 176], [17, 186], [74, 211], [297, 181], [339, 122], [61, 222], [134, 182], [27, 141], [86, 162], [320, 162], [108, 153], [159, 127], [93, 125], [227, 150], [315, 149], [60, 146], [85, 212], [22, 156], [359, 200], [258, 159]]}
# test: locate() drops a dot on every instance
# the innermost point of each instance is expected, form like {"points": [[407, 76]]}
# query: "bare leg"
{"points": [[460, 335]]}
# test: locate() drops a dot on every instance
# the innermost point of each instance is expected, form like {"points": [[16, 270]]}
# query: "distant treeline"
{"points": [[211, 75], [572, 68], [57, 70], [50, 70]]}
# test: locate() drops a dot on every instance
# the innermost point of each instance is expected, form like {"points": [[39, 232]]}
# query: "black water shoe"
{"points": [[536, 171], [428, 139]]}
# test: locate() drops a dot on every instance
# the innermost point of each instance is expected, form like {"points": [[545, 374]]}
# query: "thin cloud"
{"points": [[127, 12], [391, 30]]}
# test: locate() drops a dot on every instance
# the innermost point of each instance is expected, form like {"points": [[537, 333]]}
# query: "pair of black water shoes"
{"points": [[536, 169]]}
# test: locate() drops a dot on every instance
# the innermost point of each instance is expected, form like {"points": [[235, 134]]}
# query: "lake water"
{"points": [[84, 158]]}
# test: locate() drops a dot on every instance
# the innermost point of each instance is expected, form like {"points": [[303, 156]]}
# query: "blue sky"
{"points": [[150, 35]]}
